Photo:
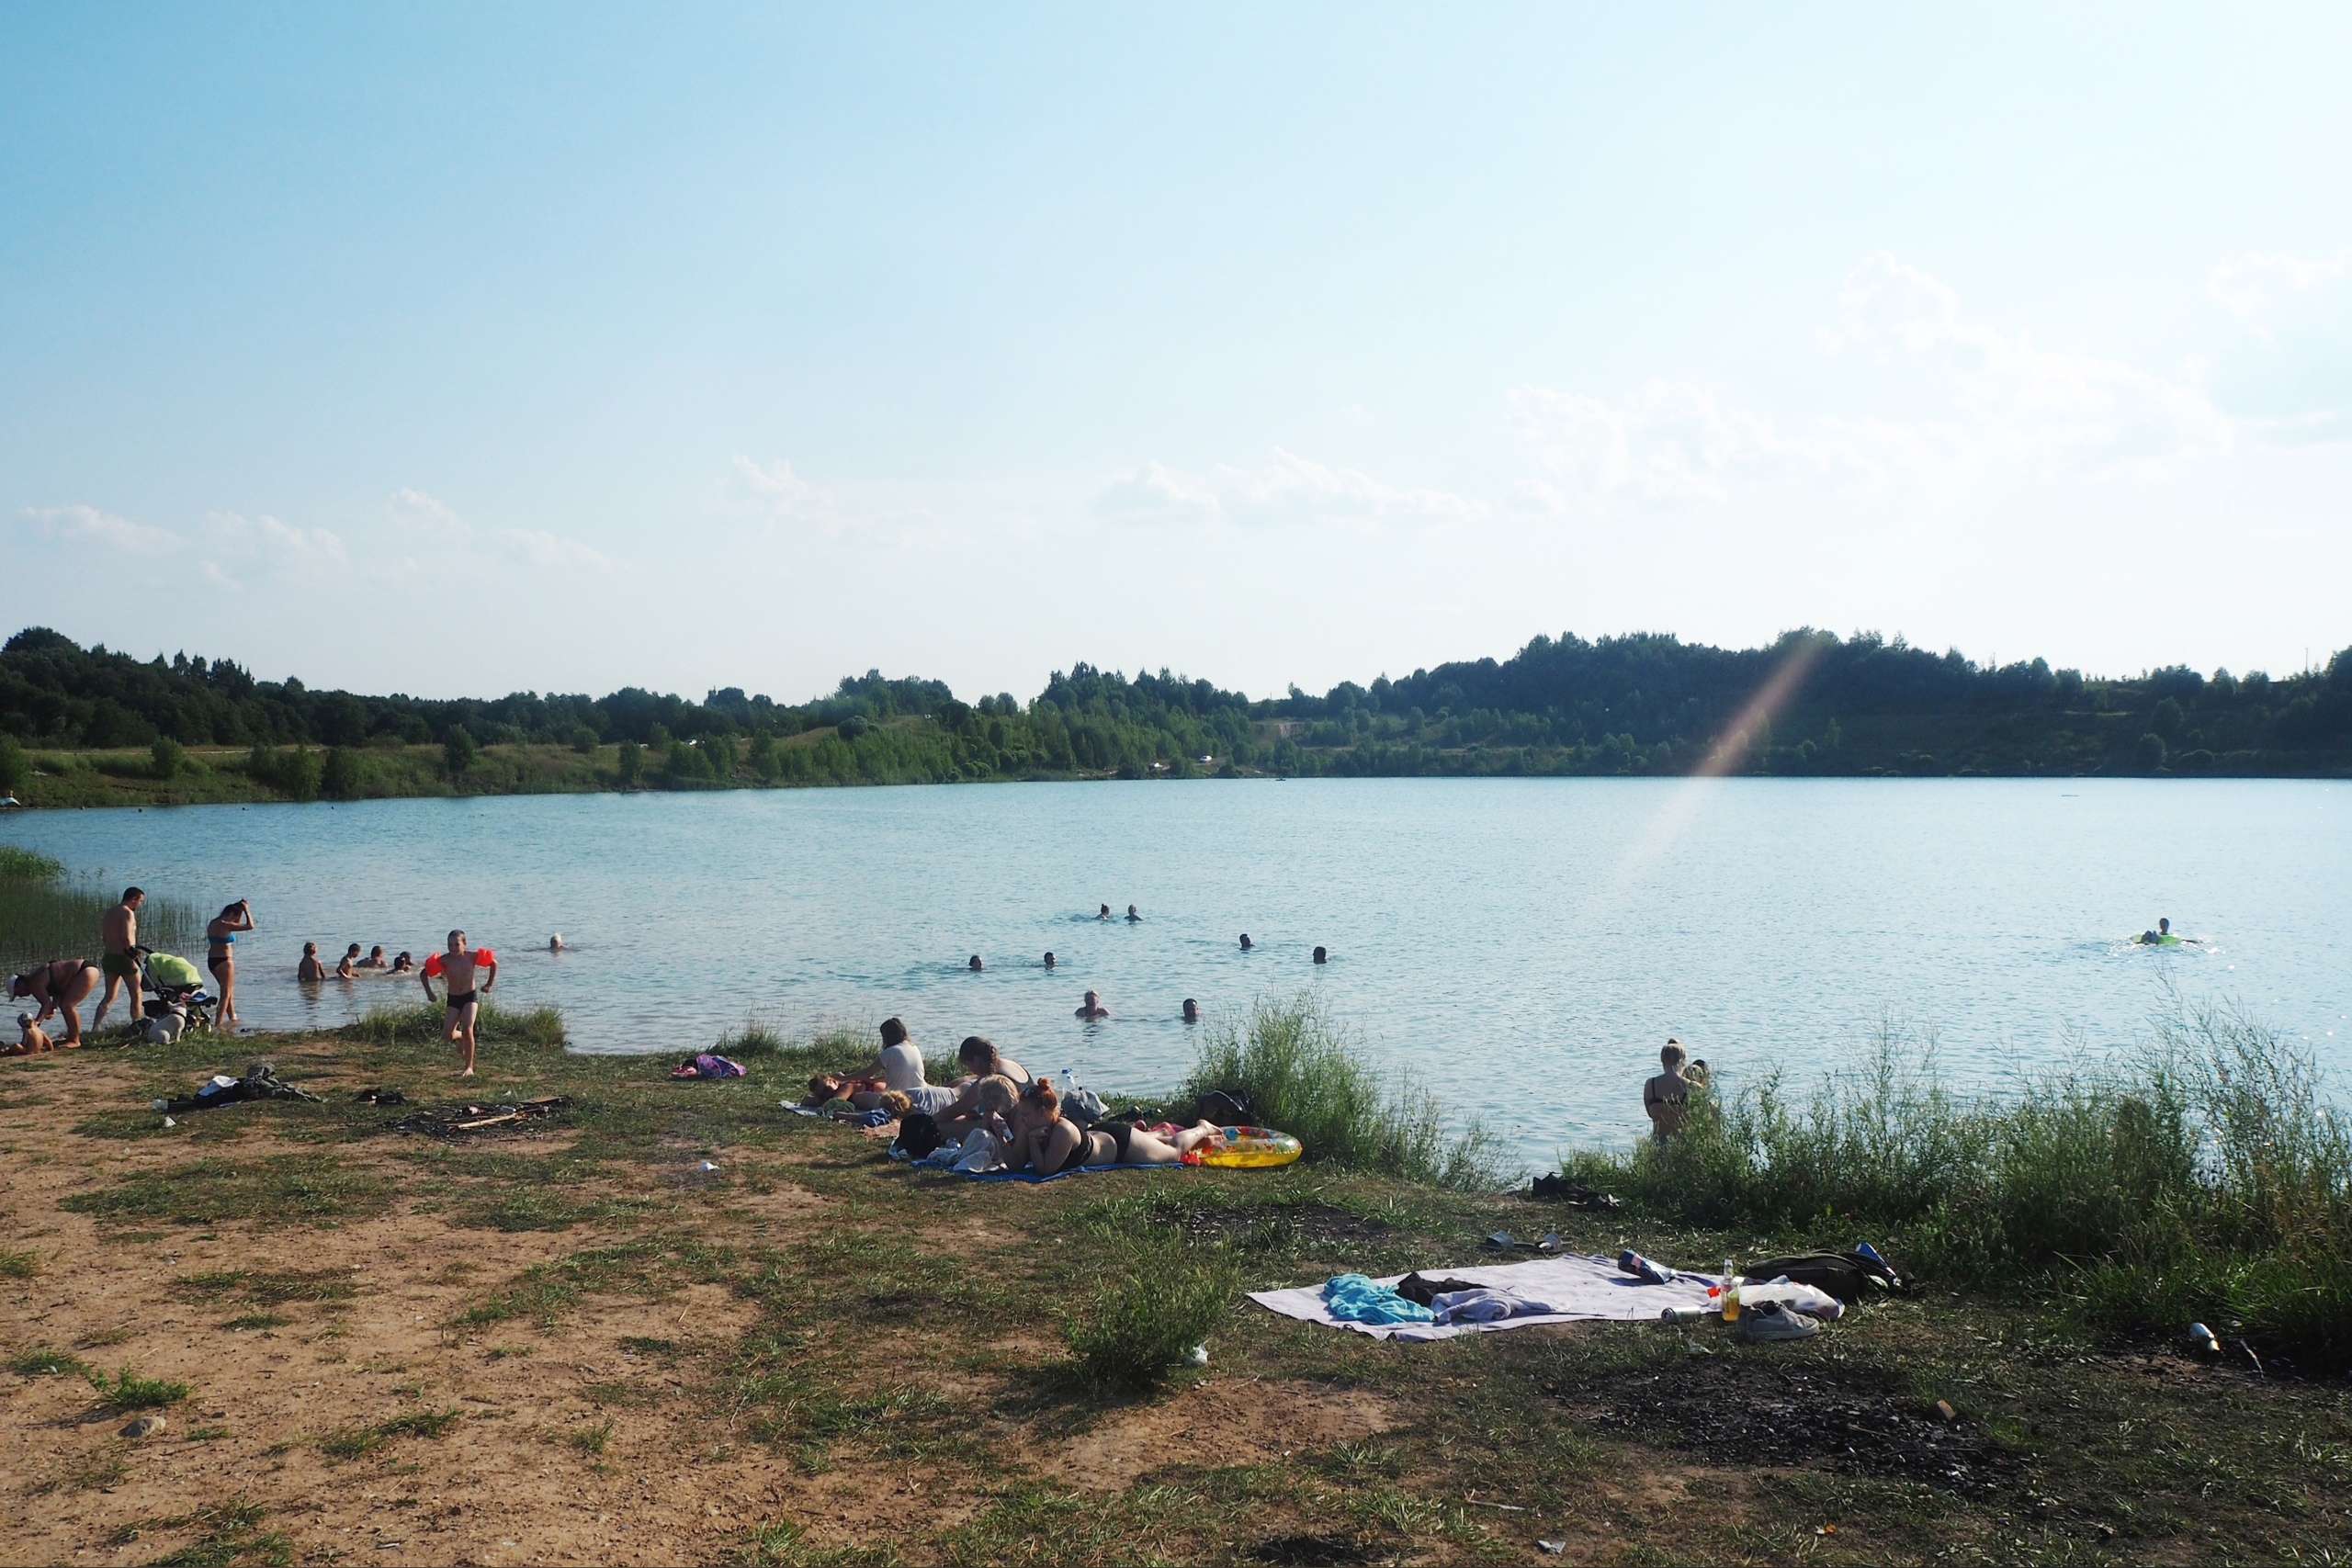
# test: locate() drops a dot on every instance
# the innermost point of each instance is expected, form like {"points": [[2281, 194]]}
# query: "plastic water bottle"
{"points": [[1069, 1082]]}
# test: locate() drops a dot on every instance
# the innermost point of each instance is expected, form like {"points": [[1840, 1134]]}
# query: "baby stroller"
{"points": [[180, 1002]]}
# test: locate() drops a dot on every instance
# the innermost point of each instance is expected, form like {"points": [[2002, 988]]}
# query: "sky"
{"points": [[461, 350]]}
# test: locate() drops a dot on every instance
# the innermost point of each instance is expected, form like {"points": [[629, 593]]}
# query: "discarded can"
{"points": [[2201, 1341], [1682, 1315]]}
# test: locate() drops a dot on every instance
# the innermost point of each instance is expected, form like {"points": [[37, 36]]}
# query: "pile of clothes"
{"points": [[706, 1066], [261, 1082]]}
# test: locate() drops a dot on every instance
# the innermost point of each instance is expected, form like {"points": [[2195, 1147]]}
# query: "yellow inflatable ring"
{"points": [[1249, 1148]]}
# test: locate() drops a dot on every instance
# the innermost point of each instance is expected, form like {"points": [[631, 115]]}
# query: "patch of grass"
{"points": [[533, 1029], [637, 1345], [515, 1207], [1147, 1313], [1305, 1076], [501, 1352], [256, 1320], [19, 1265], [356, 1442], [129, 1390], [233, 1538], [296, 1188], [591, 1439], [272, 1289], [2206, 1178], [38, 1362]]}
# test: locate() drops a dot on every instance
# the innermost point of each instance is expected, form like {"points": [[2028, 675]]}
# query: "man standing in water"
{"points": [[460, 970], [118, 928]]}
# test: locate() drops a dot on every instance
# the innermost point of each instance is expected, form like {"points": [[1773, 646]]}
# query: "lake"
{"points": [[1525, 944]]}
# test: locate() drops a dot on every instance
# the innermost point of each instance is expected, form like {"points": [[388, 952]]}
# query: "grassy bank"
{"points": [[581, 1343], [2205, 1178]]}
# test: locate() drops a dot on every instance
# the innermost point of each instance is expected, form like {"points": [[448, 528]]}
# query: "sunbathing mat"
{"points": [[1588, 1290]]}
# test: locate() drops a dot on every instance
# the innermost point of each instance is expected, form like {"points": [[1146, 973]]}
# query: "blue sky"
{"points": [[462, 350]]}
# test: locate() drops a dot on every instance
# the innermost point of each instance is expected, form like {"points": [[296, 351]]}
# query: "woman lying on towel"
{"points": [[1048, 1142]]}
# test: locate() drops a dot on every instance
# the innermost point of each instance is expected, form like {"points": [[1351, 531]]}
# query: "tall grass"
{"points": [[2203, 1177], [42, 916], [1306, 1076], [421, 1023]]}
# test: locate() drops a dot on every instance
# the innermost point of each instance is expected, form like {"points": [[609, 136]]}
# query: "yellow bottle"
{"points": [[1731, 1293]]}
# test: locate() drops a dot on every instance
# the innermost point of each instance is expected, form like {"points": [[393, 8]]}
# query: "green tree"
{"points": [[2167, 718], [631, 764], [764, 761], [2151, 752], [15, 768], [168, 757], [458, 750], [722, 755], [584, 739], [340, 779]]}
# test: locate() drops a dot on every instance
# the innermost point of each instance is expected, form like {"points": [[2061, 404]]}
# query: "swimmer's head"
{"points": [[1192, 1010], [352, 952], [1673, 1055], [974, 964], [1245, 941], [1321, 957], [374, 954], [2164, 926], [893, 1031], [1131, 908], [309, 950], [1091, 997], [555, 942]]}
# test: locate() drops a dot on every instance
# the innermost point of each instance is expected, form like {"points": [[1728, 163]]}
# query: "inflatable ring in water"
{"points": [[1251, 1148]]}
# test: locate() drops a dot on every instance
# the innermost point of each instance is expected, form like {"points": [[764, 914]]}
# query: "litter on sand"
{"points": [[477, 1120], [260, 1082]]}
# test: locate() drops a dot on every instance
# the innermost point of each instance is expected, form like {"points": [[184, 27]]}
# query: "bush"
{"points": [[631, 765], [168, 757], [2204, 1178], [458, 750], [129, 1390], [15, 768], [1303, 1078], [341, 778], [584, 740], [1144, 1319]]}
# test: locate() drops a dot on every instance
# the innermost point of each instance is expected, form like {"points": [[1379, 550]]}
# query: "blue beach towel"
{"points": [[1354, 1298]]}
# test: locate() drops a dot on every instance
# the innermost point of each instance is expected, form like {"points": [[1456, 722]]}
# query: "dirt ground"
{"points": [[568, 1445]]}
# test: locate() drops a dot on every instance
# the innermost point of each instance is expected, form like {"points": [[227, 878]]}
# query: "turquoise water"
{"points": [[1526, 944]]}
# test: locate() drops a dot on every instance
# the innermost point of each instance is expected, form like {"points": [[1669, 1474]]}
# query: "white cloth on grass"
{"points": [[1574, 1288]]}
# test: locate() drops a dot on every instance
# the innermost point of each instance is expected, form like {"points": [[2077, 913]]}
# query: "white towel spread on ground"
{"points": [[1568, 1290]]}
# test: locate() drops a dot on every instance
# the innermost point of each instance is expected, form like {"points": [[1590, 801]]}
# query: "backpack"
{"points": [[918, 1135], [1226, 1108], [1848, 1276]]}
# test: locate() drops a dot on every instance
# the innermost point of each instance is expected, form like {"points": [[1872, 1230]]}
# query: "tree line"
{"points": [[1810, 703]]}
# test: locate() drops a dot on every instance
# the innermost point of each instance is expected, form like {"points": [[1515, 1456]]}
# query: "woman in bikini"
{"points": [[1049, 1144], [220, 955], [61, 985]]}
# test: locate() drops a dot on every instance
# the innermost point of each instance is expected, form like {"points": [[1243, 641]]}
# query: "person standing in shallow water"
{"points": [[118, 930], [220, 955], [1666, 1097], [1092, 1008], [468, 974]]}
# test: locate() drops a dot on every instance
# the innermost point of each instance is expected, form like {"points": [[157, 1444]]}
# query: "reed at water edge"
{"points": [[2203, 1177], [42, 916]]}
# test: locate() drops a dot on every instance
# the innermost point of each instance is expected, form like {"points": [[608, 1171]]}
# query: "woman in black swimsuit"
{"points": [[61, 985], [220, 954]]}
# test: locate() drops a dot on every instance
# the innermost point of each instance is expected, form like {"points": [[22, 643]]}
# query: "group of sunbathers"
{"points": [[1001, 1097]]}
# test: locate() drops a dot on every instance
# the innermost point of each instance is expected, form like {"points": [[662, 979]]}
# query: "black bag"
{"points": [[1576, 1194], [1226, 1108], [1848, 1276], [918, 1135]]}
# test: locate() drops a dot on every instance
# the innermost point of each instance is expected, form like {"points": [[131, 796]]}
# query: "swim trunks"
{"points": [[120, 965], [461, 1000]]}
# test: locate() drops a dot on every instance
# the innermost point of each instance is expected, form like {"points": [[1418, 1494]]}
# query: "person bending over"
{"points": [[1666, 1097], [61, 985], [469, 975]]}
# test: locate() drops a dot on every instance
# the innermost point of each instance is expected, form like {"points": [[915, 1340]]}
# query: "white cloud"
{"points": [[2073, 410], [1672, 443], [1289, 491], [279, 544], [80, 524], [2271, 293], [772, 492], [429, 535]]}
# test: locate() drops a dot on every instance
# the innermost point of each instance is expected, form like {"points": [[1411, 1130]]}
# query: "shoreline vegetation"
{"points": [[867, 1363], [87, 726]]}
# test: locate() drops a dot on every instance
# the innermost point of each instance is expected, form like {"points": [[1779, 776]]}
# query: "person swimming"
{"points": [[555, 942], [375, 960], [1246, 942], [2162, 936], [1321, 957], [1192, 1010], [1049, 958], [309, 968], [1092, 1008], [1106, 914], [404, 963], [973, 964], [1133, 918]]}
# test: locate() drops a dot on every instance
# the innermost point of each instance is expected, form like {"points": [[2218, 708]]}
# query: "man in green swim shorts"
{"points": [[118, 928]]}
